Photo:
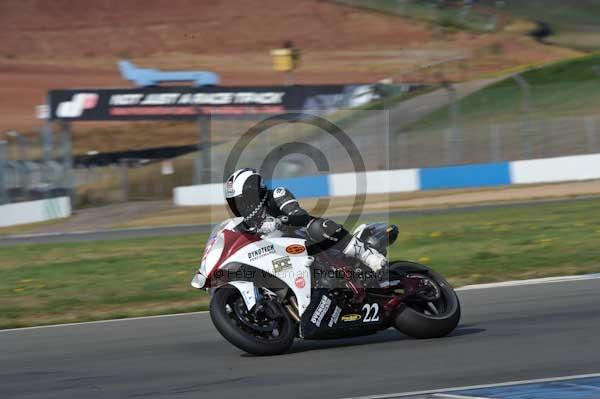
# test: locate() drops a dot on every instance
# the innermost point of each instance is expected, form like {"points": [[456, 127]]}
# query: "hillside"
{"points": [[558, 117], [573, 23], [76, 44], [563, 89]]}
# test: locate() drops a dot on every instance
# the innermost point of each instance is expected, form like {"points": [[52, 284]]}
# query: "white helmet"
{"points": [[246, 194]]}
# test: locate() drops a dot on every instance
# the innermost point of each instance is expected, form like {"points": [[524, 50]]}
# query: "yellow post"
{"points": [[286, 60]]}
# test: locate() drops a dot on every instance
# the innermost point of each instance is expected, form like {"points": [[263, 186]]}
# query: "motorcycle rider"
{"points": [[265, 211]]}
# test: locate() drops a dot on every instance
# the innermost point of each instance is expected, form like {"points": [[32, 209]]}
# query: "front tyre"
{"points": [[263, 330], [431, 308]]}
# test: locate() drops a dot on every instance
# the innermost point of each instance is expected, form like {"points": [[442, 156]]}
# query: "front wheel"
{"points": [[264, 330], [431, 308]]}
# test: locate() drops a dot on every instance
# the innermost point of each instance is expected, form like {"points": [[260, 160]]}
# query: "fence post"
{"points": [[25, 178], [387, 138], [123, 164], [46, 142], [448, 139], [3, 196], [495, 143], [455, 137], [202, 168], [591, 137], [67, 158], [526, 117], [401, 157]]}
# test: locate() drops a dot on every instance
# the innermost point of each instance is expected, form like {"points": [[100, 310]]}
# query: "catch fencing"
{"points": [[34, 167]]}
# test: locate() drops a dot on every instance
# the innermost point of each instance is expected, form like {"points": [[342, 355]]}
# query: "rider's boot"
{"points": [[370, 257]]}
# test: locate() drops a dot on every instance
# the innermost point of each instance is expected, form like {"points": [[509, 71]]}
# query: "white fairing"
{"points": [[273, 255], [247, 290], [212, 251]]}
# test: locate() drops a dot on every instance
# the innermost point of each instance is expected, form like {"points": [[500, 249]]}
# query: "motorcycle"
{"points": [[266, 290]]}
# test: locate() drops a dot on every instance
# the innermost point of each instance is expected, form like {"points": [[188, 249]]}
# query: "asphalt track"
{"points": [[506, 334]]}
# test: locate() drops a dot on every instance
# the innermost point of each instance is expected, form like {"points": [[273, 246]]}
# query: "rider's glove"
{"points": [[269, 225]]}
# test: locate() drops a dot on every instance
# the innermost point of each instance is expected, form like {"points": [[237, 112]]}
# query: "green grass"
{"points": [[563, 89], [564, 99], [574, 22], [454, 18], [52, 283], [97, 280]]}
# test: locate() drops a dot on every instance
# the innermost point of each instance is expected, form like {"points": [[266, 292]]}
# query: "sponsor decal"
{"points": [[321, 310], [178, 112], [261, 252], [79, 102], [335, 316], [371, 312], [299, 282], [229, 188], [179, 98], [295, 249], [279, 192], [42, 111], [281, 264], [351, 317]]}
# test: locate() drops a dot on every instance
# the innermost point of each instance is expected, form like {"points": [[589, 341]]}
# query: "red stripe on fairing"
{"points": [[233, 241]]}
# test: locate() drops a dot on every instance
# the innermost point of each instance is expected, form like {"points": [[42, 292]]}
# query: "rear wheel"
{"points": [[264, 330], [431, 308]]}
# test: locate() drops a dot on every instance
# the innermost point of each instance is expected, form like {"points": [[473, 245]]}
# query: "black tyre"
{"points": [[431, 314], [263, 333]]}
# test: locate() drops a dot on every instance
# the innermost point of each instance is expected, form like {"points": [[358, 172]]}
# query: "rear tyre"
{"points": [[431, 315], [262, 333]]}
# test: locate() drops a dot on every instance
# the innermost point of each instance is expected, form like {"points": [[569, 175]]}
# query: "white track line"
{"points": [[545, 280], [469, 387], [465, 288], [101, 231], [83, 323]]}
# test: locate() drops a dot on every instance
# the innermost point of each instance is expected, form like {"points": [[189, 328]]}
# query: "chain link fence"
{"points": [[42, 168], [34, 169], [448, 15], [506, 141]]}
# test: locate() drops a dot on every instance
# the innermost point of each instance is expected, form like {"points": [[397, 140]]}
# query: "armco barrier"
{"points": [[547, 170], [34, 211]]}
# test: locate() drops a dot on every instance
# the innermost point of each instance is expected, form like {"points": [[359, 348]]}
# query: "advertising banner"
{"points": [[180, 103]]}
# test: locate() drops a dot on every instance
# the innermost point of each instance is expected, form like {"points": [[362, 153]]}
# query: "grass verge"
{"points": [[54, 283], [561, 89]]}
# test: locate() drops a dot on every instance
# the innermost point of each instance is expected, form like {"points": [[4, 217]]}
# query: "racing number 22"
{"points": [[375, 312]]}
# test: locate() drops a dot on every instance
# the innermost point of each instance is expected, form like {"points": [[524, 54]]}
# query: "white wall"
{"points": [[340, 184], [385, 181], [548, 170], [34, 211], [205, 194]]}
